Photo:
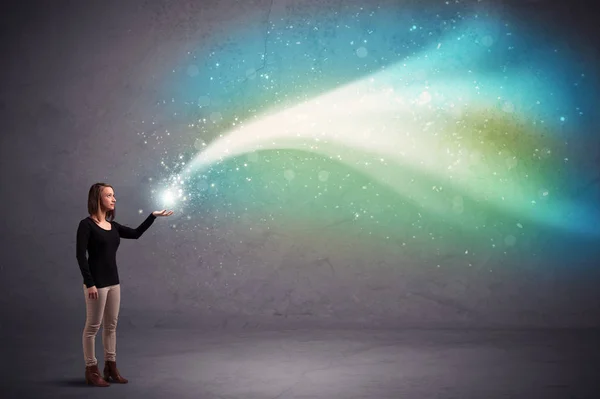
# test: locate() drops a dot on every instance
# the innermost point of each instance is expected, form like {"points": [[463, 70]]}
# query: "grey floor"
{"points": [[317, 363]]}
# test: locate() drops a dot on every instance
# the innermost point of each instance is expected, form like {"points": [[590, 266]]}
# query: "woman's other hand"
{"points": [[92, 292]]}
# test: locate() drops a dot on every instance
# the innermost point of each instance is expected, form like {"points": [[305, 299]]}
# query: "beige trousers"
{"points": [[103, 310]]}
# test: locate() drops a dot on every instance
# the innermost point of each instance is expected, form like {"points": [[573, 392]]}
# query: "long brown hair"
{"points": [[94, 200]]}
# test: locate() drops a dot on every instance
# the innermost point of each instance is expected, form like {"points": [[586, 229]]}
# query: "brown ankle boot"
{"points": [[92, 377], [111, 371]]}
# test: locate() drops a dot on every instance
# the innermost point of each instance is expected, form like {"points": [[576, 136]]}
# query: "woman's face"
{"points": [[107, 199]]}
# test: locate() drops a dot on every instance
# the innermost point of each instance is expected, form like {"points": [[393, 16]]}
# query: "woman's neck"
{"points": [[100, 217]]}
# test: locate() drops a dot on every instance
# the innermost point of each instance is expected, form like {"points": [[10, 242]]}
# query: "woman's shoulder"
{"points": [[86, 221], [84, 225]]}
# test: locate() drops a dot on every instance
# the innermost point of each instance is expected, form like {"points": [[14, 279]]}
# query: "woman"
{"points": [[100, 236]]}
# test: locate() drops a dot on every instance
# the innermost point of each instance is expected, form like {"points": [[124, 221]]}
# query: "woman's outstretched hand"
{"points": [[164, 212]]}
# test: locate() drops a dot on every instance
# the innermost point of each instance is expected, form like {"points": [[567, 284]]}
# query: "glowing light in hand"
{"points": [[168, 198]]}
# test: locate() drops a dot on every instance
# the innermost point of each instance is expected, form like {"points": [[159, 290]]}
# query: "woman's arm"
{"points": [[83, 235], [128, 232]]}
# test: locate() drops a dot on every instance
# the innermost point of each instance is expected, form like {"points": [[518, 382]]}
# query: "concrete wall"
{"points": [[80, 78]]}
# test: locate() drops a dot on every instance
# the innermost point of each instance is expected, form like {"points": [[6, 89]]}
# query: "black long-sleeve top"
{"points": [[100, 267]]}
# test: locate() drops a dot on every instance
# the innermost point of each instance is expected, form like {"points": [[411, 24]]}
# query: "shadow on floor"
{"points": [[73, 382]]}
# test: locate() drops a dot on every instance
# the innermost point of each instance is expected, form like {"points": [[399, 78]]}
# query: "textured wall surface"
{"points": [[81, 80]]}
